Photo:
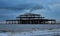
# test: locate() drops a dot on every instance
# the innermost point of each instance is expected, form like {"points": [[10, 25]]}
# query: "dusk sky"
{"points": [[10, 9]]}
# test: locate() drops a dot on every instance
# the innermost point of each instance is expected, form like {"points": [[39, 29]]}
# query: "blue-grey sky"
{"points": [[9, 9]]}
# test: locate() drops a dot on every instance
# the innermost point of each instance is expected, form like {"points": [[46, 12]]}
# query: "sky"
{"points": [[10, 9]]}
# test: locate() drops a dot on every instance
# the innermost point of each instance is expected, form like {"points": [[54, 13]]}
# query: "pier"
{"points": [[30, 18]]}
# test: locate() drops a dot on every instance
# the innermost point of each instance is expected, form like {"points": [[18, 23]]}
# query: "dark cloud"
{"points": [[24, 7]]}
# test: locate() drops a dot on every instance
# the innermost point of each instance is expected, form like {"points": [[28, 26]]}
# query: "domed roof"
{"points": [[30, 14]]}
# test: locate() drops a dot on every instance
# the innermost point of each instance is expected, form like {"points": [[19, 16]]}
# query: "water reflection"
{"points": [[30, 30], [33, 33]]}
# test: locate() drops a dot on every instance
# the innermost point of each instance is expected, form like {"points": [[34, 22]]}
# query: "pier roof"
{"points": [[30, 15]]}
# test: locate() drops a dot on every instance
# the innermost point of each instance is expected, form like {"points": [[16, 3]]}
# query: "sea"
{"points": [[29, 29]]}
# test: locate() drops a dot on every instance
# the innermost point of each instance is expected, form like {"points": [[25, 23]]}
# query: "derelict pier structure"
{"points": [[31, 18]]}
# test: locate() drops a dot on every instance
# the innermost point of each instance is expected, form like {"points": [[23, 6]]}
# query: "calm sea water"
{"points": [[30, 29]]}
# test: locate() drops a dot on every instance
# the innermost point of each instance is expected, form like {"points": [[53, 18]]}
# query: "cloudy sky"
{"points": [[9, 9]]}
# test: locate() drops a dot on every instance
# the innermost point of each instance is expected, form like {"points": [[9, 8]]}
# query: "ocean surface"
{"points": [[29, 29]]}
